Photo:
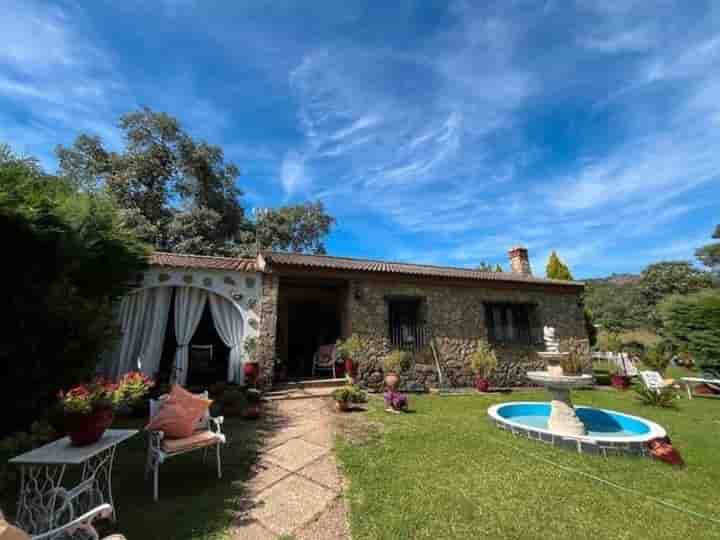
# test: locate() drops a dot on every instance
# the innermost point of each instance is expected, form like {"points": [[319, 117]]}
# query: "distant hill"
{"points": [[615, 279]]}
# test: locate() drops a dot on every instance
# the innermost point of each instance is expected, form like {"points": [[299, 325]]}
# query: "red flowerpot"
{"points": [[251, 370], [85, 429], [350, 367], [621, 382], [392, 381], [482, 385]]}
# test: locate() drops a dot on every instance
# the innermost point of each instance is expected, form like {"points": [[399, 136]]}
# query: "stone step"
{"points": [[299, 393], [309, 383]]}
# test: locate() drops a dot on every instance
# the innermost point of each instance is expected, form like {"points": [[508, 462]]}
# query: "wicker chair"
{"points": [[208, 433]]}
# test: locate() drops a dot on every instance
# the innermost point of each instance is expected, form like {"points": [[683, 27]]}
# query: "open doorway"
{"points": [[310, 316]]}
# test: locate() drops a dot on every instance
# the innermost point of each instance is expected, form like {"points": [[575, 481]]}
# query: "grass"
{"points": [[445, 472]]}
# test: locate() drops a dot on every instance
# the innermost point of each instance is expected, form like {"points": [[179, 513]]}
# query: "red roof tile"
{"points": [[177, 260]]}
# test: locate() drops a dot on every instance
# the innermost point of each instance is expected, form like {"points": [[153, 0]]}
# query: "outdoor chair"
{"points": [[712, 375], [208, 433], [653, 381], [80, 527], [324, 359]]}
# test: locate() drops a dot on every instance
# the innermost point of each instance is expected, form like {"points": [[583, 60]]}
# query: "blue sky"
{"points": [[436, 132]]}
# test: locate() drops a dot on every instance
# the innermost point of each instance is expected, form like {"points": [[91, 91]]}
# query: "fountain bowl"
{"points": [[607, 431], [549, 379]]}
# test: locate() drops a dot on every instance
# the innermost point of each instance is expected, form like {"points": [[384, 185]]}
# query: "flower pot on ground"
{"points": [[621, 382], [253, 407], [347, 395], [483, 362], [350, 351], [393, 364]]}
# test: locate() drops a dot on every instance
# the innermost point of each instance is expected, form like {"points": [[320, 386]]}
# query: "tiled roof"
{"points": [[177, 260], [363, 265]]}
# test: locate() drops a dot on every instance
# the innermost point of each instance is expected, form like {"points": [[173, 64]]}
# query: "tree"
{"points": [[692, 323], [664, 279], [297, 228], [178, 193], [72, 257], [485, 267], [555, 268], [499, 268], [709, 255]]}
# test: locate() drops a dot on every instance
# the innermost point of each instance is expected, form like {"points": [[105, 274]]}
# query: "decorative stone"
{"points": [[162, 278], [253, 323], [252, 303], [563, 419], [229, 281], [188, 278], [207, 282]]}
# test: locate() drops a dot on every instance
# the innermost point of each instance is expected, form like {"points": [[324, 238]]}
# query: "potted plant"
{"points": [[350, 351], [393, 364], [395, 401], [253, 408], [251, 368], [89, 410], [346, 395], [577, 357], [135, 387], [483, 362]]}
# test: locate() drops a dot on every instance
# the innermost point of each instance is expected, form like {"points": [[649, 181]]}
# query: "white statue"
{"points": [[552, 344]]}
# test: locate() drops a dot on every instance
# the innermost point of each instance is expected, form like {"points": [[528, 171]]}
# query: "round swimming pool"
{"points": [[607, 429]]}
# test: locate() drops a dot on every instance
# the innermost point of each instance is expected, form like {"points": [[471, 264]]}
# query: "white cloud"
{"points": [[292, 173]]}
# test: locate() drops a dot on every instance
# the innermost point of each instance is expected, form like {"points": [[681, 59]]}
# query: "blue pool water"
{"points": [[599, 423]]}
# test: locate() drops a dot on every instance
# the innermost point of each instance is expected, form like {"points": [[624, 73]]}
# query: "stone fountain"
{"points": [[563, 419]]}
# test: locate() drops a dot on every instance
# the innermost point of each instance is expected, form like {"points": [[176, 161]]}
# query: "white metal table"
{"points": [[689, 381], [43, 502]]}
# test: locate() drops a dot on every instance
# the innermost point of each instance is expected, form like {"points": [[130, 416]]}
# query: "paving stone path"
{"points": [[296, 489]]}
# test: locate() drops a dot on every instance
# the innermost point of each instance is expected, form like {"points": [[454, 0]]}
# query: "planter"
{"points": [[621, 382], [252, 411], [342, 406], [85, 429], [482, 385], [392, 380], [350, 368]]}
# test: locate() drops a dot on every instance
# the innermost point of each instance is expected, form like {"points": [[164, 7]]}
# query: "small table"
{"points": [[688, 381], [43, 499]]}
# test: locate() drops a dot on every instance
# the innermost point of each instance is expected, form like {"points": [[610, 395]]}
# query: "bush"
{"points": [[396, 362], [665, 397], [692, 324], [351, 348], [349, 394], [76, 259], [657, 358], [578, 357]]}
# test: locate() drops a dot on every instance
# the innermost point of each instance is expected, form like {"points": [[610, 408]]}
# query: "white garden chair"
{"points": [[208, 433], [80, 527], [653, 381], [324, 359]]}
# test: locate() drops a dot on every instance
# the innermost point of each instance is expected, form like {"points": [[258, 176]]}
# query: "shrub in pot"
{"points": [[483, 362], [251, 369], [577, 357], [350, 351], [393, 364], [342, 397]]}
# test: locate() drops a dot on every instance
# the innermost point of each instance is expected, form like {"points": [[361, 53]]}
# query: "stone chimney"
{"points": [[519, 262]]}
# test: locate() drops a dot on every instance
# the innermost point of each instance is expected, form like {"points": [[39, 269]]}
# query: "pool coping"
{"points": [[633, 444]]}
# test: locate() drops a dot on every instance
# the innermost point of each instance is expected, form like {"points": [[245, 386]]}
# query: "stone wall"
{"points": [[455, 316], [268, 327]]}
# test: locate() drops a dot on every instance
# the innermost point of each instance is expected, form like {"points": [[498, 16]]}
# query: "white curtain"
{"points": [[189, 304], [148, 360], [229, 325], [134, 309]]}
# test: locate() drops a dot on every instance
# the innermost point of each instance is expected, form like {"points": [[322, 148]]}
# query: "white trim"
{"points": [[656, 431]]}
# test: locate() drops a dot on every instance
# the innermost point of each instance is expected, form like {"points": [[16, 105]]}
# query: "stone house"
{"points": [[438, 313], [294, 303]]}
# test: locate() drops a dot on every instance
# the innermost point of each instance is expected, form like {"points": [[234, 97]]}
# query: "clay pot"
{"points": [[392, 380], [342, 406], [86, 429], [621, 382], [482, 385], [350, 368]]}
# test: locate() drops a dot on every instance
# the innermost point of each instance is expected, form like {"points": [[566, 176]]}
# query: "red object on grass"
{"points": [[482, 385], [663, 450], [621, 382]]}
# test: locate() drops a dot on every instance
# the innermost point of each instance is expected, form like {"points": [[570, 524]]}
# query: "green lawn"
{"points": [[444, 472]]}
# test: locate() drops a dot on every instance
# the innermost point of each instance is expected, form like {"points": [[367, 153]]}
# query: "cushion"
{"points": [[10, 532], [195, 402], [175, 420], [196, 440]]}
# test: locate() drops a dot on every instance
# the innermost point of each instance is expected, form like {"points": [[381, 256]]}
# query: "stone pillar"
{"points": [[268, 327], [519, 261], [563, 419]]}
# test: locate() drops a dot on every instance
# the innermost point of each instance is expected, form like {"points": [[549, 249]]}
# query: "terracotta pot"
{"points": [[250, 369], [482, 385], [85, 429], [392, 380], [252, 411], [342, 405], [621, 382]]}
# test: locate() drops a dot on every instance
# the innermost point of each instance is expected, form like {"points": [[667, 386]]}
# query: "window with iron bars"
{"points": [[406, 326], [511, 323]]}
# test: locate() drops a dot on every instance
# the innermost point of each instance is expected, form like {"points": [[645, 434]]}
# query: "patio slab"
{"points": [[295, 454], [323, 471], [291, 503]]}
